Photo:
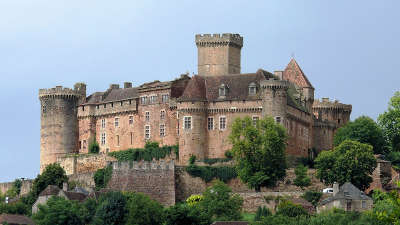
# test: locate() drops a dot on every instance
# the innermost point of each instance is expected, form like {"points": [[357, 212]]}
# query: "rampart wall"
{"points": [[84, 163]]}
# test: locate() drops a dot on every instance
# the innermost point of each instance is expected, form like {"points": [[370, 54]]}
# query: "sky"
{"points": [[349, 50]]}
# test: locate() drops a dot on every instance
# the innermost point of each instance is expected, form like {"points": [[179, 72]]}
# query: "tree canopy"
{"points": [[364, 130], [389, 121], [351, 161], [259, 151]]}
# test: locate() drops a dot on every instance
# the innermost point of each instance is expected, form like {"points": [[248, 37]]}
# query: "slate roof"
{"points": [[347, 191], [16, 219], [121, 94], [50, 190], [75, 196]]}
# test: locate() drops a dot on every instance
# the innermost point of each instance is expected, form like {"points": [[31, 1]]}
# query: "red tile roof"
{"points": [[16, 219], [294, 74]]}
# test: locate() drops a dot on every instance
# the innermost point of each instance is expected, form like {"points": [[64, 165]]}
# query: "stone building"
{"points": [[347, 197], [195, 112]]}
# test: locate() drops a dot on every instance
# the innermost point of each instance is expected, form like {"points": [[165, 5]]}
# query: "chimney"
{"points": [[325, 99], [127, 84], [114, 86], [65, 186], [279, 74], [335, 188]]}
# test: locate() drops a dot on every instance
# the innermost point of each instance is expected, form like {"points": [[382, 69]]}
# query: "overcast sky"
{"points": [[348, 49]]}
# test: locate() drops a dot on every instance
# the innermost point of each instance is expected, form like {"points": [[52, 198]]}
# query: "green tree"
{"points": [[301, 180], [94, 146], [312, 197], [111, 209], [290, 209], [102, 176], [141, 210], [364, 130], [219, 204], [59, 211], [387, 206], [259, 151], [183, 214], [389, 121], [351, 161], [261, 213]]}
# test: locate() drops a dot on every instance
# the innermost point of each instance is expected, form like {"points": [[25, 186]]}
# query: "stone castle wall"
{"points": [[25, 188], [84, 163]]}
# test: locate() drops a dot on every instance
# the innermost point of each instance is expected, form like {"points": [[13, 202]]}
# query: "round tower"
{"points": [[275, 99], [192, 133], [58, 123], [332, 111]]}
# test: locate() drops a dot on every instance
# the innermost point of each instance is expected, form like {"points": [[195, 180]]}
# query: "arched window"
{"points": [[252, 88]]}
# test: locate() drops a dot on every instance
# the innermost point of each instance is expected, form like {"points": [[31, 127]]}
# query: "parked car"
{"points": [[328, 191]]}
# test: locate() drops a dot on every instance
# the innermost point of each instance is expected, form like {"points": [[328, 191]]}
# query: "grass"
{"points": [[248, 216]]}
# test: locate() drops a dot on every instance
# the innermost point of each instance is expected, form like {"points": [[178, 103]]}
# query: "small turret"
{"points": [[59, 122]]}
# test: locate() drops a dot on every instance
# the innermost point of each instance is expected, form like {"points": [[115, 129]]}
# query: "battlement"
{"points": [[59, 91], [275, 84], [212, 40], [325, 103]]}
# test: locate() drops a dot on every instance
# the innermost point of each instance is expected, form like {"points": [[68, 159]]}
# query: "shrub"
{"points": [[194, 200], [111, 209], [141, 210], [150, 152], [301, 180], [262, 212], [287, 208], [192, 159], [216, 160], [182, 214], [312, 197], [94, 147], [102, 177], [208, 173]]}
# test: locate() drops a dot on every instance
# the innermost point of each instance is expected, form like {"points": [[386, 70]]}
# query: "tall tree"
{"points": [[390, 122], [364, 130], [351, 161], [259, 151]]}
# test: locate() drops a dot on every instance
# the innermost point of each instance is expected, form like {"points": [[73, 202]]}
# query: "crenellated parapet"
{"points": [[325, 103], [274, 84], [59, 92], [213, 40]]}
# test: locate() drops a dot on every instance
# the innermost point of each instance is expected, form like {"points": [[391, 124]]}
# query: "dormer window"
{"points": [[222, 90], [252, 88]]}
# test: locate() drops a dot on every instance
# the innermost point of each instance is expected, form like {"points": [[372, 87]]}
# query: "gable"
{"points": [[294, 74]]}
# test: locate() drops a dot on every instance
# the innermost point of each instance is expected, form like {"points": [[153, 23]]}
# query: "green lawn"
{"points": [[248, 216]]}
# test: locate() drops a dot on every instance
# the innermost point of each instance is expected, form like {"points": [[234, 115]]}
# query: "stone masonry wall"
{"points": [[155, 179], [84, 163], [25, 188]]}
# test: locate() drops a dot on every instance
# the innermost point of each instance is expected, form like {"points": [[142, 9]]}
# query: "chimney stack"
{"points": [[65, 186], [127, 84], [335, 188]]}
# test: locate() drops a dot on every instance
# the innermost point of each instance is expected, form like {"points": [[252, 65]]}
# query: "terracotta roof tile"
{"points": [[294, 74], [16, 219]]}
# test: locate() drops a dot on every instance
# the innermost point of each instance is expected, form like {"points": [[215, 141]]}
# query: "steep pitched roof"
{"points": [[347, 191], [15, 219], [121, 94], [50, 190], [195, 89], [294, 73], [75, 196]]}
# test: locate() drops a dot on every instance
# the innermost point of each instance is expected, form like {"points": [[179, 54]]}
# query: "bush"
{"points": [[102, 177], [208, 173], [192, 159], [216, 160], [312, 197], [111, 209], [141, 210], [287, 208], [194, 200], [229, 154], [94, 147], [301, 180], [150, 152], [182, 214], [261, 213]]}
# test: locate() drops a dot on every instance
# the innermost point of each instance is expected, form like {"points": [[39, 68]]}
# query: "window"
{"points": [[143, 100], [103, 138], [165, 98], [162, 130], [103, 123], [187, 122], [117, 140], [210, 123], [97, 106], [338, 121], [131, 120], [80, 145], [131, 138], [162, 114], [153, 99], [116, 122], [122, 103], [252, 89], [147, 132], [363, 204], [112, 105], [147, 116], [255, 120], [105, 105], [222, 123], [222, 90], [84, 144], [278, 119]]}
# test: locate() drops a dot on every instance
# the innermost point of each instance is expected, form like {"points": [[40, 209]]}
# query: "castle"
{"points": [[195, 112]]}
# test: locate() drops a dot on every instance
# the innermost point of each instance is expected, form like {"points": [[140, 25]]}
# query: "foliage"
{"points": [[111, 210], [102, 177], [301, 180], [289, 209], [259, 151], [182, 214], [15, 208], [59, 211], [17, 186], [194, 200], [312, 197], [351, 161], [150, 152], [262, 212], [141, 210], [208, 173], [229, 154], [219, 204], [216, 160], [387, 206], [389, 121], [364, 130], [94, 147], [192, 159], [278, 219], [394, 158]]}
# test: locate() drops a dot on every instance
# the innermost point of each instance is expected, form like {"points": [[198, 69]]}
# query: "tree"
{"points": [[290, 209], [301, 180], [219, 204], [364, 130], [111, 209], [387, 206], [259, 151], [389, 121], [102, 176], [59, 211], [351, 161], [141, 210], [94, 147], [184, 214], [312, 197]]}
